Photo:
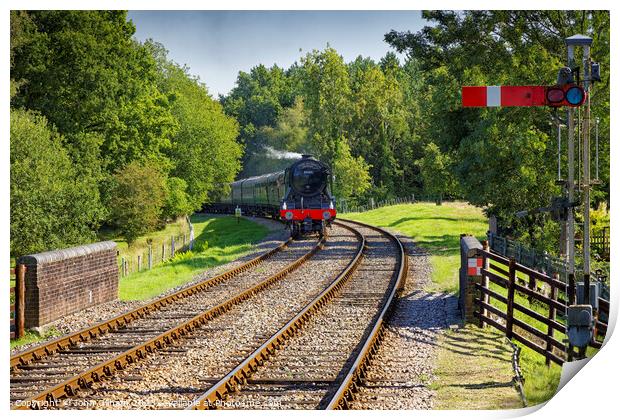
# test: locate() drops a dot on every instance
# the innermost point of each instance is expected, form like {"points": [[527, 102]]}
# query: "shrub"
{"points": [[177, 202], [137, 195]]}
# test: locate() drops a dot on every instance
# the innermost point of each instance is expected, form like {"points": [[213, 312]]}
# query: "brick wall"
{"points": [[62, 282]]}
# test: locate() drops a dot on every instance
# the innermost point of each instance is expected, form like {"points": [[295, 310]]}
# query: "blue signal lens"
{"points": [[575, 95]]}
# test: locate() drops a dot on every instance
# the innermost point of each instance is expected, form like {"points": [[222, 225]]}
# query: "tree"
{"points": [[137, 197], [327, 97], [83, 71], [50, 203], [177, 202], [504, 159], [435, 171], [203, 151], [255, 102], [352, 177]]}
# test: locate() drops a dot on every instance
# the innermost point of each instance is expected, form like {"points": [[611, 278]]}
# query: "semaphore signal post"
{"points": [[569, 92]]}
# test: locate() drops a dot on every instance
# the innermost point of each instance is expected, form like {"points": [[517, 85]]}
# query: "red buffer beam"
{"points": [[496, 96]]}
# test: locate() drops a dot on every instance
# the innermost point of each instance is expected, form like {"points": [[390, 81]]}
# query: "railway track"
{"points": [[60, 368], [318, 358], [168, 358]]}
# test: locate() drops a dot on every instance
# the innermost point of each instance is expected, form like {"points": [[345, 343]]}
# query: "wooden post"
{"points": [[139, 262], [511, 297], [172, 247], [163, 251], [150, 256], [485, 280], [553, 296], [532, 286], [20, 300], [123, 266]]}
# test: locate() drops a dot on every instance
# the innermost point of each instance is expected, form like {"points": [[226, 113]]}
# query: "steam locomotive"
{"points": [[300, 195]]}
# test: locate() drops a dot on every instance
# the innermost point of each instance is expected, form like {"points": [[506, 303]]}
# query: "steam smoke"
{"points": [[281, 154]]}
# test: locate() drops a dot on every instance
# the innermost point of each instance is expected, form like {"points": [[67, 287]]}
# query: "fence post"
{"points": [[511, 297], [553, 296], [163, 251], [531, 284], [123, 266], [139, 263], [20, 300], [150, 256], [485, 279], [172, 246]]}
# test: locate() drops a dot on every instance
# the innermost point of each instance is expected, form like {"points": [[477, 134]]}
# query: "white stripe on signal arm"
{"points": [[494, 96]]}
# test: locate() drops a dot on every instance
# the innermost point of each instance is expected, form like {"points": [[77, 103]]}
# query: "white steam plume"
{"points": [[281, 154]]}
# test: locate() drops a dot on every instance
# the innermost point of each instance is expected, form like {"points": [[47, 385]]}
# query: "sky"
{"points": [[216, 45]]}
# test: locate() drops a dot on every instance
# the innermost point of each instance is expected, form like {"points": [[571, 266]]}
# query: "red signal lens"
{"points": [[555, 95]]}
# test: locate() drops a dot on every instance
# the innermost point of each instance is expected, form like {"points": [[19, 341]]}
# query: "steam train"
{"points": [[300, 196]]}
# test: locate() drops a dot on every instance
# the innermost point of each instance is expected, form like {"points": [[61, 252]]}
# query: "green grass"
{"points": [[218, 240], [474, 371], [435, 228], [33, 337], [540, 381], [140, 245]]}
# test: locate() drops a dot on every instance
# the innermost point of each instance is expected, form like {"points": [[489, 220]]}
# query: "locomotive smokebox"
{"points": [[308, 176]]}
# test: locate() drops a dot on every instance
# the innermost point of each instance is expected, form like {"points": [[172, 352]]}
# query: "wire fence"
{"points": [[344, 207], [156, 253], [543, 262]]}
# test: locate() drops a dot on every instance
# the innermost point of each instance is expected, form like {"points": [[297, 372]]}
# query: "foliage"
{"points": [[83, 71], [115, 102], [203, 150], [51, 206], [435, 172], [511, 147], [256, 101], [176, 203], [351, 173], [137, 196]]}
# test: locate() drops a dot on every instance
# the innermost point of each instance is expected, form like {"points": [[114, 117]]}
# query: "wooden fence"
{"points": [[17, 296], [541, 291], [600, 244], [600, 325]]}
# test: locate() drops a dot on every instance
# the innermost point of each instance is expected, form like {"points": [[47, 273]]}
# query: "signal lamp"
{"points": [[575, 96], [555, 95]]}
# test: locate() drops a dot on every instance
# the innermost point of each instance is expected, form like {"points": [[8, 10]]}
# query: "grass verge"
{"points": [[34, 337], [540, 382], [140, 245], [435, 228], [474, 371], [218, 240]]}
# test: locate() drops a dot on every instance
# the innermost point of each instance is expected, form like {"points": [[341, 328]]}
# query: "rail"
{"points": [[84, 335], [108, 368], [240, 375]]}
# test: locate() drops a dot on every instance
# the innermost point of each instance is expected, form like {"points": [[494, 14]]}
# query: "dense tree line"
{"points": [[392, 129], [106, 131]]}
